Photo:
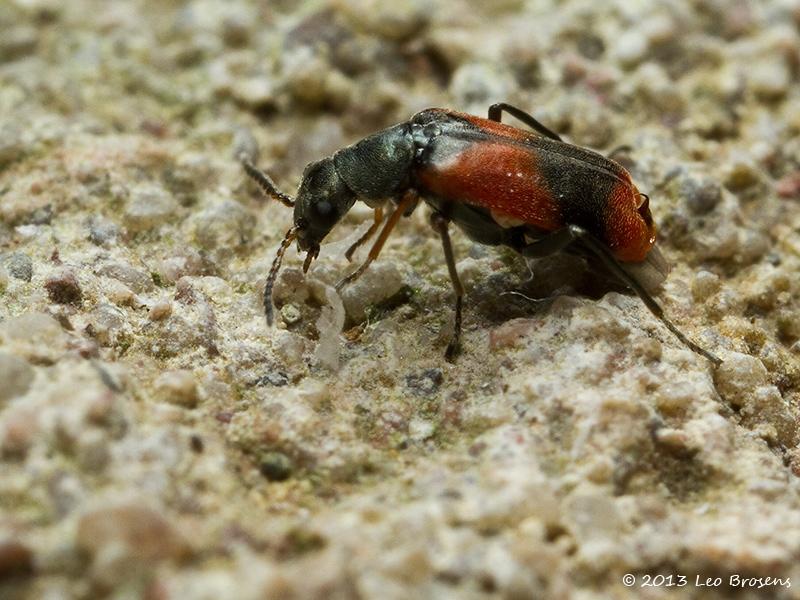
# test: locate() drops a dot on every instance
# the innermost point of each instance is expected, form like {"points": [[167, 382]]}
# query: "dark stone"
{"points": [[276, 378], [275, 466], [63, 288], [702, 196], [15, 559], [425, 383]]}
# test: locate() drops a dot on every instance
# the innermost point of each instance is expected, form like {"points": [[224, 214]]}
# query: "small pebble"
{"points": [[396, 20], [19, 265], [149, 206], [290, 314], [674, 397], [106, 322], [119, 293], [16, 376], [223, 226], [15, 559], [255, 92], [741, 175], [276, 378], [12, 145], [631, 47], [135, 279], [63, 287], [189, 262], [136, 531], [425, 383], [702, 195], [19, 429], [705, 284], [420, 430], [675, 441], [237, 28], [480, 84], [788, 323], [738, 377], [175, 335], [102, 231], [311, 80], [18, 42], [178, 387], [380, 282], [36, 336], [772, 78], [290, 348], [160, 310], [788, 186]]}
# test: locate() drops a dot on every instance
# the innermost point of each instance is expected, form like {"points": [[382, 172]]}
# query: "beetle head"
{"points": [[322, 200]]}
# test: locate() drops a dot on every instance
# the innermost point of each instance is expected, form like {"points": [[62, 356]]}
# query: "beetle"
{"points": [[501, 185]]}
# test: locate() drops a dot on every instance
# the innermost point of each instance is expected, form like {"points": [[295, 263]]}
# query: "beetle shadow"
{"points": [[527, 289]]}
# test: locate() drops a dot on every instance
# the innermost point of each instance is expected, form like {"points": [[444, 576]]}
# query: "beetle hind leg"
{"points": [[439, 223], [496, 111], [560, 239]]}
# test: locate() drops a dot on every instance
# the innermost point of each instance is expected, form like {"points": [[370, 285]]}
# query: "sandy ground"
{"points": [[157, 440]]}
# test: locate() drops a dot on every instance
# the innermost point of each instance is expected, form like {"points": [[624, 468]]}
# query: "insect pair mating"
{"points": [[501, 185]]}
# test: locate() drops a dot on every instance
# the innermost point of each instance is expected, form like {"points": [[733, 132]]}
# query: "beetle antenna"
{"points": [[273, 272], [264, 182]]}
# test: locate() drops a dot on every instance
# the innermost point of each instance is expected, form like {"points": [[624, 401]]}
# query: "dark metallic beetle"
{"points": [[499, 184]]}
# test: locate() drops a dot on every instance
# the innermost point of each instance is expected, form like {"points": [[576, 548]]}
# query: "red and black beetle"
{"points": [[499, 184]]}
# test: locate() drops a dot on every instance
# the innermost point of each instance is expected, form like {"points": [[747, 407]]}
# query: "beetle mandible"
{"points": [[501, 185]]}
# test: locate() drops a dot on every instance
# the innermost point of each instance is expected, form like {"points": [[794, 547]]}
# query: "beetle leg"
{"points": [[439, 223], [409, 199], [623, 149], [560, 239], [496, 110], [265, 183], [368, 234]]}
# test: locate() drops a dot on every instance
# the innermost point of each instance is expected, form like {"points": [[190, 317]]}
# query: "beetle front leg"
{"points": [[496, 111], [439, 223], [409, 199], [560, 239], [368, 234]]}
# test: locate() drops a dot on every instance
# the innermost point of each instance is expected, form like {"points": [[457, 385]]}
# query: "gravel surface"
{"points": [[157, 440]]}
